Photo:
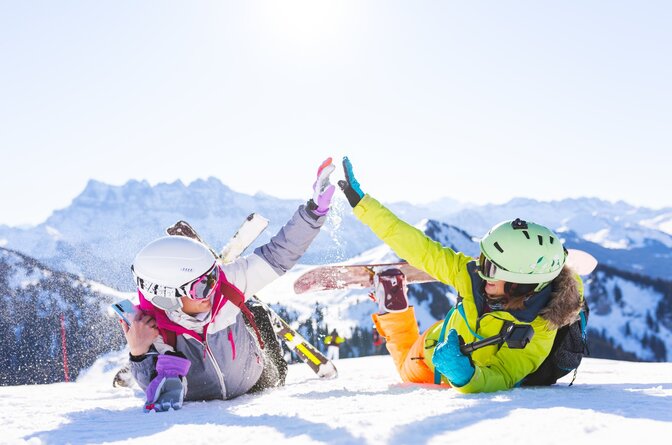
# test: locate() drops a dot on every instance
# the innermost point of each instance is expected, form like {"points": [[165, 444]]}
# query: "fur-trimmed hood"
{"points": [[565, 302]]}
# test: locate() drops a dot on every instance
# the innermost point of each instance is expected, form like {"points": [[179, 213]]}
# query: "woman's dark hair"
{"points": [[517, 294]]}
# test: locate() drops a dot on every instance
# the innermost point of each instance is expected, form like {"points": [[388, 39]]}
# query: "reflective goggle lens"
{"points": [[488, 268], [205, 285]]}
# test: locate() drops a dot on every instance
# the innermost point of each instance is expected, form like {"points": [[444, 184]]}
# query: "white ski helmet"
{"points": [[164, 267]]}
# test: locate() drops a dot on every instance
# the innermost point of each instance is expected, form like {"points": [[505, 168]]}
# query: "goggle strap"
{"points": [[155, 288]]}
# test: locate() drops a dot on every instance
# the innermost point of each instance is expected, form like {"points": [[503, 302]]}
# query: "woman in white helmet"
{"points": [[191, 340], [520, 278]]}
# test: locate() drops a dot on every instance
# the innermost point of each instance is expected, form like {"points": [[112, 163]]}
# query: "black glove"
{"points": [[350, 186]]}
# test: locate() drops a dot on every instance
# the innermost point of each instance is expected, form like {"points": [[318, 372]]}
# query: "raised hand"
{"points": [[323, 191], [350, 185]]}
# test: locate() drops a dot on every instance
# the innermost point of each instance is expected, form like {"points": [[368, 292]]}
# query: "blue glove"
{"points": [[449, 360], [167, 389], [350, 186]]}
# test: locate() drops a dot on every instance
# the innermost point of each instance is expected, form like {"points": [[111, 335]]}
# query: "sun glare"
{"points": [[303, 23]]}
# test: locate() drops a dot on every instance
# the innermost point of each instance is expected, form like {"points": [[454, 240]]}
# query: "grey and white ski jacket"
{"points": [[226, 360]]}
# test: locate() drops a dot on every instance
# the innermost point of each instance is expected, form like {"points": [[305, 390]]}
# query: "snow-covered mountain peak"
{"points": [[141, 193], [450, 236], [97, 192]]}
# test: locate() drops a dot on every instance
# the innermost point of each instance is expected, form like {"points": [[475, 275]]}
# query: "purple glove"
{"points": [[167, 389], [322, 188]]}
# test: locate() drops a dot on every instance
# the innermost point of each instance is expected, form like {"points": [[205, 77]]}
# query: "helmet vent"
{"points": [[498, 247], [552, 239], [541, 240], [526, 233]]}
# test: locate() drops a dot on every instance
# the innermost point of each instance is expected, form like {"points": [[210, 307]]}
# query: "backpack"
{"points": [[569, 347]]}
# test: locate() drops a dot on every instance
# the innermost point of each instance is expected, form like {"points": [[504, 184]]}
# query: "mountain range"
{"points": [[98, 235]]}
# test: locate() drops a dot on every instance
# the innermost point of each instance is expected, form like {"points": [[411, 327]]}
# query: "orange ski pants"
{"points": [[405, 344]]}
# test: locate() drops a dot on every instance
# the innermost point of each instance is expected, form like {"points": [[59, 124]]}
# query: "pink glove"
{"points": [[323, 190]]}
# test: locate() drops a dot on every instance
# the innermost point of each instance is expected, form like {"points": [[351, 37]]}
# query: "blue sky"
{"points": [[478, 101]]}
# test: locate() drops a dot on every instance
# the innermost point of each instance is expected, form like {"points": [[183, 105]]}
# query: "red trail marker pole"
{"points": [[64, 349]]}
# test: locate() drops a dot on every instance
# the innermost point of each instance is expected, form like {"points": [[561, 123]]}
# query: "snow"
{"points": [[602, 237], [23, 278], [662, 222], [54, 233], [610, 402], [118, 295]]}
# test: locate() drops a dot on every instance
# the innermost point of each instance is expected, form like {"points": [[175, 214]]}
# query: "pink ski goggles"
{"points": [[203, 286]]}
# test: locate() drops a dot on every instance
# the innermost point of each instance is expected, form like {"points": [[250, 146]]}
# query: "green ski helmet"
{"points": [[521, 252]]}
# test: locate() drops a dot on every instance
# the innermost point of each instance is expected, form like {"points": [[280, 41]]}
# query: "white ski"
{"points": [[249, 231], [581, 262]]}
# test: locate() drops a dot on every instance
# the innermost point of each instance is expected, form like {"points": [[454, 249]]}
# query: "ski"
{"points": [[312, 357], [123, 378], [183, 228], [582, 262], [243, 238], [246, 234], [353, 276]]}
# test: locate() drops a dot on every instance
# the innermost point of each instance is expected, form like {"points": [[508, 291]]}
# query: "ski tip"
{"points": [[327, 371], [582, 262], [326, 168], [326, 162]]}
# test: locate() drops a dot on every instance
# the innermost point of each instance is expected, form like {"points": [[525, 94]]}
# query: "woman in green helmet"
{"points": [[521, 277]]}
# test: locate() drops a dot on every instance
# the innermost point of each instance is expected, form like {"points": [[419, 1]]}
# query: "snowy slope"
{"points": [[611, 402], [631, 312]]}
